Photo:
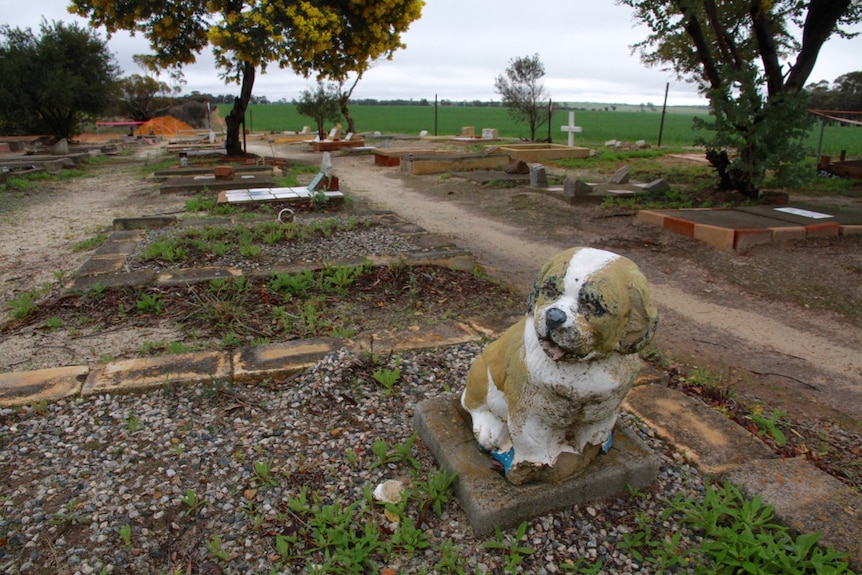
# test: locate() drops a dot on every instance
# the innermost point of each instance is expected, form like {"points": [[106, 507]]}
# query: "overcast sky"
{"points": [[457, 48]]}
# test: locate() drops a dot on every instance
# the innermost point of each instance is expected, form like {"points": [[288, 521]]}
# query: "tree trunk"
{"points": [[345, 111], [731, 178], [234, 120]]}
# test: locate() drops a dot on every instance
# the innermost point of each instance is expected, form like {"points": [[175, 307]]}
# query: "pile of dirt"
{"points": [[164, 126]]}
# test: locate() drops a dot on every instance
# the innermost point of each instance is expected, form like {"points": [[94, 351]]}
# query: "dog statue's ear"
{"points": [[531, 299], [642, 321]]}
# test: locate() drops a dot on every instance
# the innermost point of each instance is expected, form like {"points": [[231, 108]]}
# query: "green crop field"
{"points": [[598, 124]]}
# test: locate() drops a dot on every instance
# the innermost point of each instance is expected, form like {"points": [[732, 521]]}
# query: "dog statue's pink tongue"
{"points": [[552, 350]]}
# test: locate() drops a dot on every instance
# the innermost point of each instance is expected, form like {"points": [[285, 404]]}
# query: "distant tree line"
{"points": [[845, 93]]}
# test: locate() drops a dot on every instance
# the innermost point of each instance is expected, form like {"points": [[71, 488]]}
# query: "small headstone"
{"points": [[517, 167], [657, 186], [378, 133], [489, 134], [538, 176], [467, 131], [305, 130], [641, 144], [568, 188], [582, 188], [423, 133], [61, 148], [621, 176], [326, 164], [612, 143]]}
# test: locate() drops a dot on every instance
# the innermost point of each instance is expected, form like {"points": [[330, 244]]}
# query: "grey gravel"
{"points": [[74, 472]]}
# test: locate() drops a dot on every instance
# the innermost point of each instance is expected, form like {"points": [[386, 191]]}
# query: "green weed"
{"points": [[90, 244]]}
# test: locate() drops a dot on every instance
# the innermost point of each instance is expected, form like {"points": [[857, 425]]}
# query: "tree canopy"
{"points": [[845, 93], [523, 92], [54, 82], [330, 38], [751, 58], [321, 104]]}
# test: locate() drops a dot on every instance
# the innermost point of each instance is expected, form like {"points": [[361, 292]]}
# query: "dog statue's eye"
{"points": [[591, 304], [550, 290]]}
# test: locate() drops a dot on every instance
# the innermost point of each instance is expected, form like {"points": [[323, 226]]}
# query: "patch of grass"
{"points": [[90, 243]]}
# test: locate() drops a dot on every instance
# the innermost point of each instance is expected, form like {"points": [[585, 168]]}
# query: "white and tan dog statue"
{"points": [[545, 396]]}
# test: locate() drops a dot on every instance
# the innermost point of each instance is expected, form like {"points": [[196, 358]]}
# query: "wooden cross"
{"points": [[571, 129]]}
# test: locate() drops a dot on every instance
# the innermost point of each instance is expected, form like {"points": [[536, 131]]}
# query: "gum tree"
{"points": [[751, 58], [523, 92], [329, 37]]}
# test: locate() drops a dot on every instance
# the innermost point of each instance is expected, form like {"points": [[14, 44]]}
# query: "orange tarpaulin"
{"points": [[163, 126]]}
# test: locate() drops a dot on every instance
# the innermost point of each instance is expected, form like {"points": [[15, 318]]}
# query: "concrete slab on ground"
{"points": [[744, 227], [490, 501], [703, 435]]}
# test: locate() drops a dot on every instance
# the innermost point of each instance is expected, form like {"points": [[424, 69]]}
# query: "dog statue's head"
{"points": [[588, 303]]}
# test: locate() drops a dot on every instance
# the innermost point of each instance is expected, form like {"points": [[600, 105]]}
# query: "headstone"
{"points": [[641, 144], [612, 143], [657, 186], [575, 188], [423, 133], [621, 176], [61, 148], [489, 134], [571, 128], [538, 176], [348, 136], [332, 133], [467, 131], [305, 130]]}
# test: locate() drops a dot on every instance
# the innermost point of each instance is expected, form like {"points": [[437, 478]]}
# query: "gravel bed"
{"points": [[362, 240], [75, 472]]}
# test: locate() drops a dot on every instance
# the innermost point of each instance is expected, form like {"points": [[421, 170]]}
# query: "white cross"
{"points": [[571, 129]]}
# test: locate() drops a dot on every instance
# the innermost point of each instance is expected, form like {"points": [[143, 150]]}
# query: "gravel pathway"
{"points": [[106, 484]]}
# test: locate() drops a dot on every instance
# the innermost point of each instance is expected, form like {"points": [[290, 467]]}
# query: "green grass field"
{"points": [[598, 125]]}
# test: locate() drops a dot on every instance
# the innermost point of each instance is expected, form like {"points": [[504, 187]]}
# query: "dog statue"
{"points": [[545, 396]]}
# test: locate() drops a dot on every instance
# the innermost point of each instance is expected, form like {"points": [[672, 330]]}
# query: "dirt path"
{"points": [[807, 361]]}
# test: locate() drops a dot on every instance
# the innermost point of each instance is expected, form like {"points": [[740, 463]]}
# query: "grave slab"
{"points": [[146, 373], [439, 163], [280, 360], [186, 171], [803, 213], [541, 152], [197, 184], [491, 501], [19, 388]]}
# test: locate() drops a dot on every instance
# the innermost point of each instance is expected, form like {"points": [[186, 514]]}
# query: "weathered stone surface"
{"points": [[538, 176], [517, 167], [657, 186], [706, 437], [621, 176]]}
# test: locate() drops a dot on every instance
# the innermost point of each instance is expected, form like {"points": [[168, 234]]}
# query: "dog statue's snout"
{"points": [[554, 318]]}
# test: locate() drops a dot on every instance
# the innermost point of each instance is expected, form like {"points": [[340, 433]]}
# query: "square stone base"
{"points": [[491, 501]]}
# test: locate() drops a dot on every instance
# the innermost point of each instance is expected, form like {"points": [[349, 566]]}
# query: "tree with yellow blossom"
{"points": [[329, 38]]}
